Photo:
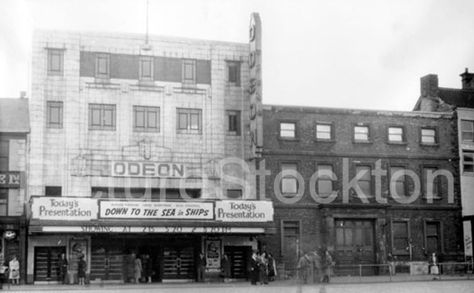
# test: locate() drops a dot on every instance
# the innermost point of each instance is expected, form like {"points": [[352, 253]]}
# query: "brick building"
{"points": [[361, 218], [128, 138], [14, 129], [434, 98]]}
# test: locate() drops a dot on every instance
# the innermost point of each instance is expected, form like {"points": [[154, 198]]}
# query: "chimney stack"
{"points": [[429, 86], [467, 80]]}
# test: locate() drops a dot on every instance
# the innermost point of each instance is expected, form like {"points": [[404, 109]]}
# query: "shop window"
{"points": [[325, 182], [365, 181], [400, 237], [53, 191], [233, 118], [400, 182], [4, 155], [395, 134], [467, 130], [436, 183], [189, 72], [287, 130], [289, 183], [55, 61], [233, 71], [189, 120], [54, 114], [3, 202], [102, 65], [146, 68], [101, 117], [234, 193], [361, 133], [324, 131], [468, 161], [146, 119], [428, 136], [433, 237]]}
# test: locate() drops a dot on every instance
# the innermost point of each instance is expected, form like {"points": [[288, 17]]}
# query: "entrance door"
{"points": [[46, 263], [355, 245], [178, 262], [107, 262], [238, 257]]}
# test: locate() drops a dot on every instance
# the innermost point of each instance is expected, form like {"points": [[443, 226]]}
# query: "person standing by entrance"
{"points": [[254, 270], [81, 270], [225, 268], [147, 268], [201, 267], [62, 264], [14, 266], [138, 270]]}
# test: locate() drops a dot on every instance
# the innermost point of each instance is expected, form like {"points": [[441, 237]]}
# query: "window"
{"points": [[395, 134], [189, 120], [54, 114], [189, 72], [289, 183], [435, 184], [102, 65], [361, 133], [233, 119], [4, 154], [101, 117], [325, 179], [146, 68], [400, 237], [400, 182], [52, 191], [428, 136], [146, 119], [365, 181], [287, 130], [233, 68], [3, 202], [323, 131], [55, 61], [234, 193], [290, 239], [433, 237], [467, 130], [468, 161]]}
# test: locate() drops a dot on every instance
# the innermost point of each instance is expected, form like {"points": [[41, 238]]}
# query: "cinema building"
{"points": [[130, 147], [357, 168]]}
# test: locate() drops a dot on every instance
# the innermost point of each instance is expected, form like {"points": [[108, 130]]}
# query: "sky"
{"points": [[367, 54]]}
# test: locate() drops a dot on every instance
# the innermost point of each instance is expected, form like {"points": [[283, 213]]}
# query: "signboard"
{"points": [[147, 169], [467, 238], [10, 179], [103, 228], [156, 210], [255, 85], [213, 253], [244, 211], [64, 208]]}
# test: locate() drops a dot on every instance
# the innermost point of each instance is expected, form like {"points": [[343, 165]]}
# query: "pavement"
{"points": [[378, 284]]}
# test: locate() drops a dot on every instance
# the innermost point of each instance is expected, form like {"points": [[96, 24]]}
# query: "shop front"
{"points": [[167, 237]]}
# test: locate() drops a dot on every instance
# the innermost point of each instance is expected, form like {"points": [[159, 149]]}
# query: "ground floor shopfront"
{"points": [[13, 241]]}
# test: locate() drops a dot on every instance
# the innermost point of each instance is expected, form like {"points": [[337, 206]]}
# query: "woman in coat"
{"points": [[14, 267]]}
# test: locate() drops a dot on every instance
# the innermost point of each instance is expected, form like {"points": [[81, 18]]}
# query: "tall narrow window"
{"points": [[4, 154], [146, 68], [54, 114], [467, 130], [365, 181], [468, 161], [433, 236], [287, 130], [233, 68], [101, 117], [428, 136], [189, 72], [395, 134], [361, 133], [398, 182], [55, 61], [3, 202], [400, 237], [325, 180], [290, 241], [323, 131], [289, 183], [102, 65], [146, 119], [233, 118]]}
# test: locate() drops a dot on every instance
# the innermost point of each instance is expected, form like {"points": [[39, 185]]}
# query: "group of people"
{"points": [[10, 270], [315, 266], [262, 268], [63, 266]]}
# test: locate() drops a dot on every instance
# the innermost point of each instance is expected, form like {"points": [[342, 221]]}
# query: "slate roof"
{"points": [[14, 115], [457, 97]]}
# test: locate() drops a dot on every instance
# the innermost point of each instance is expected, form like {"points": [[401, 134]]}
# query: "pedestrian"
{"points": [[433, 265], [327, 266], [81, 270], [147, 268], [63, 265], [303, 267], [137, 270], [225, 268], [14, 269], [391, 264], [272, 272], [263, 268], [202, 263], [317, 267], [254, 268]]}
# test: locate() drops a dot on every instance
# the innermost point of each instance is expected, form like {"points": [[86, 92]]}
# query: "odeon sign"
{"points": [[147, 169]]}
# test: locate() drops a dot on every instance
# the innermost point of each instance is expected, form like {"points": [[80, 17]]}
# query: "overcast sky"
{"points": [[351, 54]]}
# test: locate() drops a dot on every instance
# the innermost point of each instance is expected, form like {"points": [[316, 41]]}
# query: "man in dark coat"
{"points": [[254, 269], [62, 266], [202, 263]]}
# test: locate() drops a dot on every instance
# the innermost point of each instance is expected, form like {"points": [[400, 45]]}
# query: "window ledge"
{"points": [[397, 142], [429, 144], [317, 140], [362, 141], [288, 139], [146, 130]]}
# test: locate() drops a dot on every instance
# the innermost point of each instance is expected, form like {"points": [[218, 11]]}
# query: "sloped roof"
{"points": [[14, 115], [457, 97]]}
